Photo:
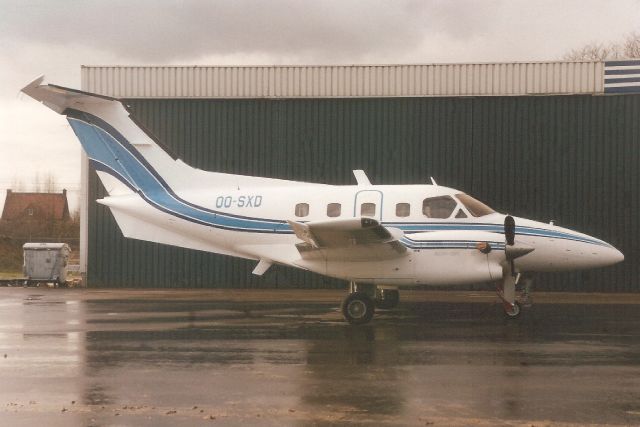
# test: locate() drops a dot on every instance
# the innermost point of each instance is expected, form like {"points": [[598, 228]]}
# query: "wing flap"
{"points": [[348, 239]]}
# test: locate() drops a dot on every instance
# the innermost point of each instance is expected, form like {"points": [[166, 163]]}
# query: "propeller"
{"points": [[513, 249]]}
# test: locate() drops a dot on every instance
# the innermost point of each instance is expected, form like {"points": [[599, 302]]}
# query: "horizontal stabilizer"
{"points": [[60, 98]]}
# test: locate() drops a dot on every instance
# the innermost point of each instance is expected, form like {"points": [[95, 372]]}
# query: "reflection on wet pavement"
{"points": [[79, 357]]}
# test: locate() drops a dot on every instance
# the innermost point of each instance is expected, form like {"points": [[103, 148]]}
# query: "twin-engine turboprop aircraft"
{"points": [[377, 237]]}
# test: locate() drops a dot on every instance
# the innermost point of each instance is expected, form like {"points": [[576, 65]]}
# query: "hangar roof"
{"points": [[360, 81]]}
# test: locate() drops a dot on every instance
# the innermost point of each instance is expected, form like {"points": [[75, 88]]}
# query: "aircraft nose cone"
{"points": [[612, 256]]}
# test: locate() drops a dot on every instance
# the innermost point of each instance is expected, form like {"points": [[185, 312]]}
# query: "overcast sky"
{"points": [[56, 37]]}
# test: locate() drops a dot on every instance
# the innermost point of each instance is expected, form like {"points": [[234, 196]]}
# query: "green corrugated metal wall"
{"points": [[574, 159]]}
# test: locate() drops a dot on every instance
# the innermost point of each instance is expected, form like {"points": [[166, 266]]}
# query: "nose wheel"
{"points": [[512, 310], [507, 293]]}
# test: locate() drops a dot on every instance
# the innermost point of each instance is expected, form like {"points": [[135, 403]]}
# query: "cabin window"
{"points": [[302, 209], [461, 214], [334, 209], [438, 207], [368, 209], [30, 211], [475, 207], [403, 209]]}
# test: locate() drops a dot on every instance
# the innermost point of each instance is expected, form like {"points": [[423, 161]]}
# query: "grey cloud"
{"points": [[314, 31], [144, 31]]}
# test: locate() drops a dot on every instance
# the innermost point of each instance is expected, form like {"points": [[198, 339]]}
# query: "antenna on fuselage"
{"points": [[361, 177], [433, 181]]}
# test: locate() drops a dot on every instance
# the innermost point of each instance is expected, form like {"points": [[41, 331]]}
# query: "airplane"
{"points": [[379, 238]]}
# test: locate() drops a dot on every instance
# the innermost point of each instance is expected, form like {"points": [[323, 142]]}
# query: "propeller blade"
{"points": [[512, 249], [510, 230]]}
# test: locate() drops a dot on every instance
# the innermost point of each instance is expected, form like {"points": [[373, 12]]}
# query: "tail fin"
{"points": [[117, 146], [128, 159]]}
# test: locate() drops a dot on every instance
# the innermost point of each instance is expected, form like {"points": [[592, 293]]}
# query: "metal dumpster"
{"points": [[46, 261]]}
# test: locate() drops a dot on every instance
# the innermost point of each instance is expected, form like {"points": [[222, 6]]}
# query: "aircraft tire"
{"points": [[389, 299], [358, 308], [514, 312]]}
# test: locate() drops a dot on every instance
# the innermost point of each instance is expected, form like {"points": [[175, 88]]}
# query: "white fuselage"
{"points": [[429, 261]]}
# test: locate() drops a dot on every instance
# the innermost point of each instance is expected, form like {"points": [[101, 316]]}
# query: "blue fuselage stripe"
{"points": [[111, 153]]}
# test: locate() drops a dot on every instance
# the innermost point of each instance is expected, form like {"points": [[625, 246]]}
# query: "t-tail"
{"points": [[143, 180], [126, 157]]}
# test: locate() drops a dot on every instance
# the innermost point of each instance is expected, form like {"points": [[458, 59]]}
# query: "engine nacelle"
{"points": [[457, 257]]}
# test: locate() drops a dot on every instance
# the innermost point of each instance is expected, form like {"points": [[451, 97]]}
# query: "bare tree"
{"points": [[75, 216], [50, 184], [17, 184], [46, 183], [629, 48], [37, 183], [594, 52]]}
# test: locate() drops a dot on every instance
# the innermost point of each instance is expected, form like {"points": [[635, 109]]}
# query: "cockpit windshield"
{"points": [[475, 207], [438, 207]]}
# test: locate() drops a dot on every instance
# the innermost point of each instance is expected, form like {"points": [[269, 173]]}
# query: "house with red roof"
{"points": [[39, 207]]}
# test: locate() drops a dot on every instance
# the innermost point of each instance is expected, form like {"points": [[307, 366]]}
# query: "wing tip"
{"points": [[33, 84]]}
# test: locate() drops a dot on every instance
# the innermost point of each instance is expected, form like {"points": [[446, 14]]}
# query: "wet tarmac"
{"points": [[160, 358]]}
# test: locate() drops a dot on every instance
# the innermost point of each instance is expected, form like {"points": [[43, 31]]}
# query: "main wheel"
{"points": [[358, 308], [387, 299], [513, 312]]}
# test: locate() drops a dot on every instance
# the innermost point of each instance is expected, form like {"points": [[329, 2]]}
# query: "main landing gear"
{"points": [[359, 306], [387, 299]]}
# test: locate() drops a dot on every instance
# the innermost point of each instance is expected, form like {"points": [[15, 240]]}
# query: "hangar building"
{"points": [[544, 140]]}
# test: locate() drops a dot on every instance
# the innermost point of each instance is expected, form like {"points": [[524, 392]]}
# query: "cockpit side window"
{"points": [[438, 207], [461, 214], [475, 207]]}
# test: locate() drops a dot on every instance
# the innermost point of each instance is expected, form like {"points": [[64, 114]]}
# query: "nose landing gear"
{"points": [[507, 293], [527, 283], [512, 310]]}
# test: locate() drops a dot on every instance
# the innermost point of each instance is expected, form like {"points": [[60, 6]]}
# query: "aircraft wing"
{"points": [[352, 239]]}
